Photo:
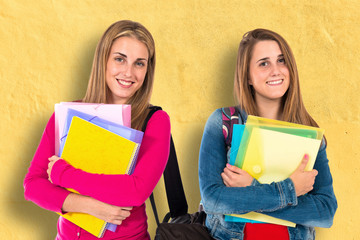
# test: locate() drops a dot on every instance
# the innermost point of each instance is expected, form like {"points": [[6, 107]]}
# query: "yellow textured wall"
{"points": [[46, 50]]}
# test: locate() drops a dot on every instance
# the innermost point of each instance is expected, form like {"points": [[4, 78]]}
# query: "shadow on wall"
{"points": [[224, 87], [26, 214], [189, 166], [82, 70], [222, 98]]}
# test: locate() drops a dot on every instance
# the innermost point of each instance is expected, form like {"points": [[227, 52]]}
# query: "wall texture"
{"points": [[46, 53]]}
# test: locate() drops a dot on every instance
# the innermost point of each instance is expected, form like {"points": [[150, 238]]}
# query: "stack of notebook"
{"points": [[117, 113], [270, 151], [95, 144]]}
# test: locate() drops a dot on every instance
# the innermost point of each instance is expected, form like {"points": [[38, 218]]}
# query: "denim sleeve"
{"points": [[318, 207], [219, 199]]}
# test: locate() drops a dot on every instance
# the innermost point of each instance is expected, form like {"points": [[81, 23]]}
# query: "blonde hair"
{"points": [[293, 106], [98, 91]]}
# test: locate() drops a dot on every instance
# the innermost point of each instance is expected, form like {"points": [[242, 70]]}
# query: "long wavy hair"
{"points": [[292, 103], [99, 92]]}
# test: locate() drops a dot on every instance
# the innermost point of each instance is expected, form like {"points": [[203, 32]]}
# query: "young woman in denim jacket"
{"points": [[267, 85]]}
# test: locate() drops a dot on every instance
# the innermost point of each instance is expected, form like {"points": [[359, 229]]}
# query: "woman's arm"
{"points": [[318, 207], [84, 204], [37, 187], [124, 190], [40, 190], [303, 180]]}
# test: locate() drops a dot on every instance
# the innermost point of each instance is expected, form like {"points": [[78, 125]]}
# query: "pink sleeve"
{"points": [[37, 187], [124, 190]]}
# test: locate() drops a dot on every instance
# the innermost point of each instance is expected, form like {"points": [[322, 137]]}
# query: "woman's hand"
{"points": [[110, 213], [236, 177], [85, 204], [303, 180], [52, 161]]}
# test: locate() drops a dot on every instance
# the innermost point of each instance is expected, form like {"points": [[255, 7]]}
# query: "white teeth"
{"points": [[126, 83], [274, 82]]}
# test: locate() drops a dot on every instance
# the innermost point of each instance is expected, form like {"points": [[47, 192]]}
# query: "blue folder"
{"points": [[238, 130]]}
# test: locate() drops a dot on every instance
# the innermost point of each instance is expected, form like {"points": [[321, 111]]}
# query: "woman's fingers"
{"points": [[225, 179], [236, 177], [303, 163], [303, 180]]}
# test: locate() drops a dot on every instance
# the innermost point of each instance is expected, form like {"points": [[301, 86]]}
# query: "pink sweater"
{"points": [[120, 190]]}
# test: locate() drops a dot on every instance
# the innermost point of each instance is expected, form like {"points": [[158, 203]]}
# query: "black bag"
{"points": [[186, 227], [182, 225]]}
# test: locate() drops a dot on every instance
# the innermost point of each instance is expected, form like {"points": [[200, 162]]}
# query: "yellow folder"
{"points": [[96, 150], [273, 156], [266, 122], [276, 125]]}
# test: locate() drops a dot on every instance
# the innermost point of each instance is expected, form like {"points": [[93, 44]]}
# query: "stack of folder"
{"points": [[96, 144], [117, 113], [270, 151]]}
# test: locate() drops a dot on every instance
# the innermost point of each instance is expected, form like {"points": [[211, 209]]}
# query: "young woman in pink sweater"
{"points": [[122, 73]]}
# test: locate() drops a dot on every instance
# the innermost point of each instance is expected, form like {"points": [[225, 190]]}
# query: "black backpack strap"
{"points": [[172, 178], [153, 109], [153, 205], [174, 189]]}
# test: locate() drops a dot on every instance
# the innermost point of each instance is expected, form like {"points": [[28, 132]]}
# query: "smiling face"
{"points": [[269, 74], [126, 68]]}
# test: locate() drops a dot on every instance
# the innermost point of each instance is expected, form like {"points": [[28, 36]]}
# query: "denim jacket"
{"points": [[278, 199]]}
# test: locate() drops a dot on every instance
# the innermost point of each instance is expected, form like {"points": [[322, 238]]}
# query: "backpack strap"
{"points": [[174, 189], [230, 116]]}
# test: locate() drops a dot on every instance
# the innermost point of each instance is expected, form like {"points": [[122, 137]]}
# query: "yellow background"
{"points": [[46, 51]]}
